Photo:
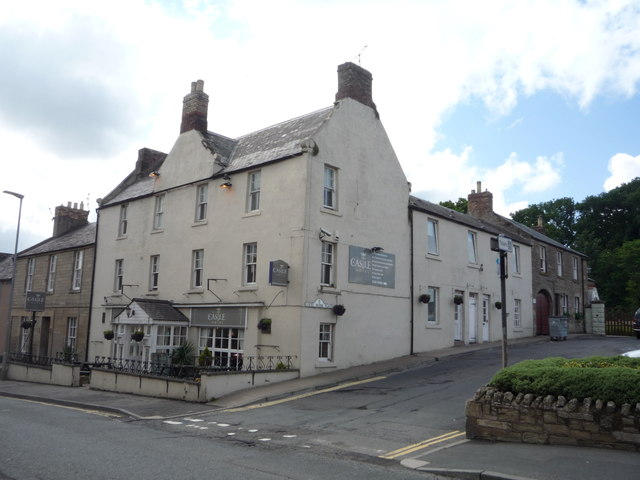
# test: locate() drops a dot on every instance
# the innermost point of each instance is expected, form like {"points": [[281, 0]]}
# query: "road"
{"points": [[359, 431]]}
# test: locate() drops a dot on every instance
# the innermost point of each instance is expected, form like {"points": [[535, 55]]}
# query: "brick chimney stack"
{"points": [[69, 218], [540, 226], [355, 82], [480, 204], [194, 109]]}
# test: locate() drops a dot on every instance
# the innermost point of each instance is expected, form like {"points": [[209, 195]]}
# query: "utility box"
{"points": [[558, 328]]}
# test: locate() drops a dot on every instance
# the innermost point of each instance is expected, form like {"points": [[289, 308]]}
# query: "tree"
{"points": [[558, 216], [462, 205], [620, 271]]}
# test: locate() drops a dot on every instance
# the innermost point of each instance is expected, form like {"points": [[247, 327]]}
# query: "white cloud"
{"points": [[623, 168], [93, 82]]}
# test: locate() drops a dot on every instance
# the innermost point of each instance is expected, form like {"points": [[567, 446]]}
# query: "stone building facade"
{"points": [[559, 274], [60, 268]]}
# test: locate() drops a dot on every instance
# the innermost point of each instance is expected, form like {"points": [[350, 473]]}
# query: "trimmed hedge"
{"points": [[615, 379]]}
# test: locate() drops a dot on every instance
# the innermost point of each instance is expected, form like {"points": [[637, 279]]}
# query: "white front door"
{"points": [[472, 316], [457, 322], [485, 318]]}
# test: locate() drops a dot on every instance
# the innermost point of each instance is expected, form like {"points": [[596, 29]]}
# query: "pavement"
{"points": [[466, 459]]}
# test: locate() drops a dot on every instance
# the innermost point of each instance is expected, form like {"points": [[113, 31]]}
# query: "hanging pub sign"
{"points": [[279, 273], [35, 301], [370, 267]]}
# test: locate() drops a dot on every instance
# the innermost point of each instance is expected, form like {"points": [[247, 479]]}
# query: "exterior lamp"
{"points": [[154, 174], [227, 182], [7, 343]]}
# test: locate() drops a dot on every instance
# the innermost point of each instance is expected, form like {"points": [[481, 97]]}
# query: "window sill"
{"points": [[195, 291], [151, 294], [330, 211], [248, 288], [325, 364], [157, 230], [121, 237], [329, 289], [433, 326], [474, 266], [200, 223], [433, 256], [254, 213]]}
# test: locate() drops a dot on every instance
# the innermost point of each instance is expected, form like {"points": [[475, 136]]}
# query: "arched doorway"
{"points": [[543, 304]]}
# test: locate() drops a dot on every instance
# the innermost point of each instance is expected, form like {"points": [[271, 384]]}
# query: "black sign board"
{"points": [[372, 268], [218, 317], [278, 273], [35, 301]]}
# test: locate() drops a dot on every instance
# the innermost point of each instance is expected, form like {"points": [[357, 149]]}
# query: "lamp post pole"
{"points": [[7, 339]]}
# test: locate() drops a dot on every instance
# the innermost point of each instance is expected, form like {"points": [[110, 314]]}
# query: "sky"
{"points": [[537, 99]]}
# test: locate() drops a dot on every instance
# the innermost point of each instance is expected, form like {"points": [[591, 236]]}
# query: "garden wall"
{"points": [[495, 415], [56, 374]]}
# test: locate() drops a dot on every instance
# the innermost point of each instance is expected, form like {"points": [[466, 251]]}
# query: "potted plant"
{"points": [[108, 334], [265, 325], [424, 298], [339, 310], [498, 305], [138, 335], [206, 358], [458, 299]]}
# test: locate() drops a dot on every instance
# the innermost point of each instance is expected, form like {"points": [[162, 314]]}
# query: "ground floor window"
{"points": [[325, 343], [72, 333], [517, 306], [225, 344], [25, 335], [169, 337]]}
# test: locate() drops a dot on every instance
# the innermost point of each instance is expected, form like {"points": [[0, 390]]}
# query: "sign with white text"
{"points": [[279, 273], [35, 301], [372, 268], [219, 317]]}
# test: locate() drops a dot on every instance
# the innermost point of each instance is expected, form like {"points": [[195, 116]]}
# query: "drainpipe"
{"points": [[411, 277]]}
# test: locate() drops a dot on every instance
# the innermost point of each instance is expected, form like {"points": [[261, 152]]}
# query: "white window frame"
{"points": [[254, 180], [565, 304], [327, 263], [574, 267], [432, 306], [516, 259], [202, 202], [576, 305], [51, 276], [472, 247], [118, 275], [329, 190], [123, 223], [250, 263], [72, 333], [31, 268], [542, 265], [154, 272], [517, 310], [197, 269], [432, 237], [76, 281], [158, 212], [326, 333], [559, 270], [170, 337]]}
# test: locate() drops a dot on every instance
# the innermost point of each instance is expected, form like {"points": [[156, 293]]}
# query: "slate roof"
{"points": [[277, 142], [160, 310], [6, 268], [461, 218], [79, 237]]}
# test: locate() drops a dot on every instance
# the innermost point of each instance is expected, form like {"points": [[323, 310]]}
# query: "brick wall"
{"points": [[495, 415]]}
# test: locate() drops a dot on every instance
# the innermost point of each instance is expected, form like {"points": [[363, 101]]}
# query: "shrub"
{"points": [[614, 379]]}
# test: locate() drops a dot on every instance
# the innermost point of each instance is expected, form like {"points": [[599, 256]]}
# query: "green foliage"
{"points": [[183, 355], [614, 379], [559, 217], [205, 358], [462, 205]]}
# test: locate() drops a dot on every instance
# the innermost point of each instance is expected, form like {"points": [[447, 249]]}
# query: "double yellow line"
{"points": [[424, 444]]}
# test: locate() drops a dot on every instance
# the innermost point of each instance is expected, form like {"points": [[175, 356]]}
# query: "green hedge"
{"points": [[614, 379]]}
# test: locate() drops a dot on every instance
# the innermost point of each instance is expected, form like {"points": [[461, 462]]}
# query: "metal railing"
{"points": [[42, 360], [193, 369]]}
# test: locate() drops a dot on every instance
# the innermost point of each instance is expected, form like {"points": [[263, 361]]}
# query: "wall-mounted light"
{"points": [[227, 182], [376, 249], [154, 174]]}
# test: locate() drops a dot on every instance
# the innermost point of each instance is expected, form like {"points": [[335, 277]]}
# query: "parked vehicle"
{"points": [[636, 323]]}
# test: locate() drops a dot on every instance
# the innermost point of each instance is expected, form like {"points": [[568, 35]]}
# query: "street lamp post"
{"points": [[7, 339]]}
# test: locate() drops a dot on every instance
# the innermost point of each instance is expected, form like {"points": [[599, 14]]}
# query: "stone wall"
{"points": [[495, 415]]}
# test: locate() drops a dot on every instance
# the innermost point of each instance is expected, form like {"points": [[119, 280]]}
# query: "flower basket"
{"points": [[138, 335], [339, 310], [424, 298], [108, 334], [457, 299], [26, 324], [265, 325], [498, 305]]}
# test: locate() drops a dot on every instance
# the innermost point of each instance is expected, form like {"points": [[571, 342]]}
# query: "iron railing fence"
{"points": [[619, 322], [193, 369], [43, 360]]}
